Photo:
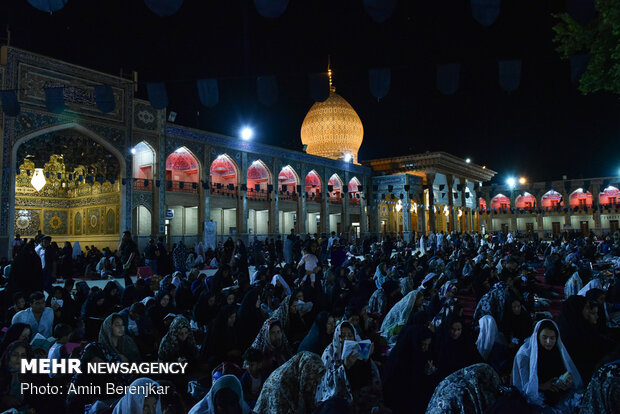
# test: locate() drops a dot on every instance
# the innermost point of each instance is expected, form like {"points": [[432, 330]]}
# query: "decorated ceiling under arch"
{"points": [[75, 148]]}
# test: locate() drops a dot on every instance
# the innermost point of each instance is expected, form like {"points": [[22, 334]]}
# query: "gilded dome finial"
{"points": [[332, 88]]}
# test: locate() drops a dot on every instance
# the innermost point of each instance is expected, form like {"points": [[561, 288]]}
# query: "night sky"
{"points": [[544, 130]]}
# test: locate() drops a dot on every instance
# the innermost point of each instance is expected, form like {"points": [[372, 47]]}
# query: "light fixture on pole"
{"points": [[511, 182], [38, 179], [347, 157], [522, 180]]}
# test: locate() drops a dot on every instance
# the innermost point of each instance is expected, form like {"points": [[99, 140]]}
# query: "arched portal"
{"points": [[259, 178], [82, 172], [482, 203], [334, 188], [526, 202], [287, 183], [182, 171], [354, 192], [500, 202], [143, 166], [580, 199], [313, 186], [552, 200], [609, 197], [224, 175]]}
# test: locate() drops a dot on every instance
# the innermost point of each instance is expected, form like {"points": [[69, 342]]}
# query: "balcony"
{"points": [[313, 197], [218, 189], [257, 195], [335, 199], [140, 184], [182, 187], [287, 196]]}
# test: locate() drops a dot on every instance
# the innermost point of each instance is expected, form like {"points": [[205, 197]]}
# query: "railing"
{"points": [[287, 196], [182, 187], [313, 197], [335, 200], [257, 195], [223, 190], [141, 184]]}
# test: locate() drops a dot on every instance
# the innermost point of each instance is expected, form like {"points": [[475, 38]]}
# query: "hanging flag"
{"points": [[49, 6], [55, 99], [379, 80], [10, 105], [164, 8], [379, 10], [271, 8], [208, 92], [267, 90], [509, 74], [319, 86], [485, 11], [448, 78], [158, 97], [578, 66], [104, 97]]}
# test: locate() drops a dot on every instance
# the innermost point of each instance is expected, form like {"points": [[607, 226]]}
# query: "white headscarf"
{"points": [[573, 285], [134, 402], [487, 335], [278, 278], [525, 368], [333, 352], [207, 404], [399, 314]]}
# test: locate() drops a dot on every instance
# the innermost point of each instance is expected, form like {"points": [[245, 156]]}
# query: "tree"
{"points": [[600, 38]]}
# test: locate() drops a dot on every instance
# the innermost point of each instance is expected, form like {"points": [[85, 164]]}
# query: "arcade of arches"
{"points": [[273, 202]]}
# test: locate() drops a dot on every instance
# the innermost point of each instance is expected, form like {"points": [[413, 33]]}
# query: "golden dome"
{"points": [[332, 129]]}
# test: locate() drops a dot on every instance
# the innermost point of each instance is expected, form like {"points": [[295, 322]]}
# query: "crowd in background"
{"points": [[317, 323]]}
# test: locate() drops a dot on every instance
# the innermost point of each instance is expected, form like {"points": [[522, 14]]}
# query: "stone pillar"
{"points": [[421, 212], [301, 205], [465, 219], [160, 200], [242, 201], [430, 179], [451, 216], [364, 208], [274, 211], [324, 202], [513, 210], [346, 217], [596, 214]]}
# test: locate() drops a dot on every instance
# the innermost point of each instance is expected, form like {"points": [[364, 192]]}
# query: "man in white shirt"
{"points": [[38, 316], [330, 241]]}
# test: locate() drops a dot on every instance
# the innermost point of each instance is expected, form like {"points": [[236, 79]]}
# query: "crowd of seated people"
{"points": [[449, 323]]}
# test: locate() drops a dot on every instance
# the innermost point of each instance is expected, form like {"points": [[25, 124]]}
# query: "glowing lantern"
{"points": [[38, 179]]}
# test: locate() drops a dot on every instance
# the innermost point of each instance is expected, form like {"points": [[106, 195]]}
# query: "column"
{"points": [[363, 211], [242, 201], [567, 214], [346, 217], [421, 212], [596, 213], [513, 210], [160, 200], [274, 211], [203, 198], [451, 216], [301, 204], [430, 179], [324, 202], [465, 220]]}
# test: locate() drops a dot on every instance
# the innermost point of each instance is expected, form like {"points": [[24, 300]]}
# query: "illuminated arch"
{"points": [[500, 202], [354, 192], [223, 172], [580, 199], [526, 201], [336, 184], [482, 203], [287, 179], [259, 177], [610, 196], [552, 199], [312, 182], [182, 166]]}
